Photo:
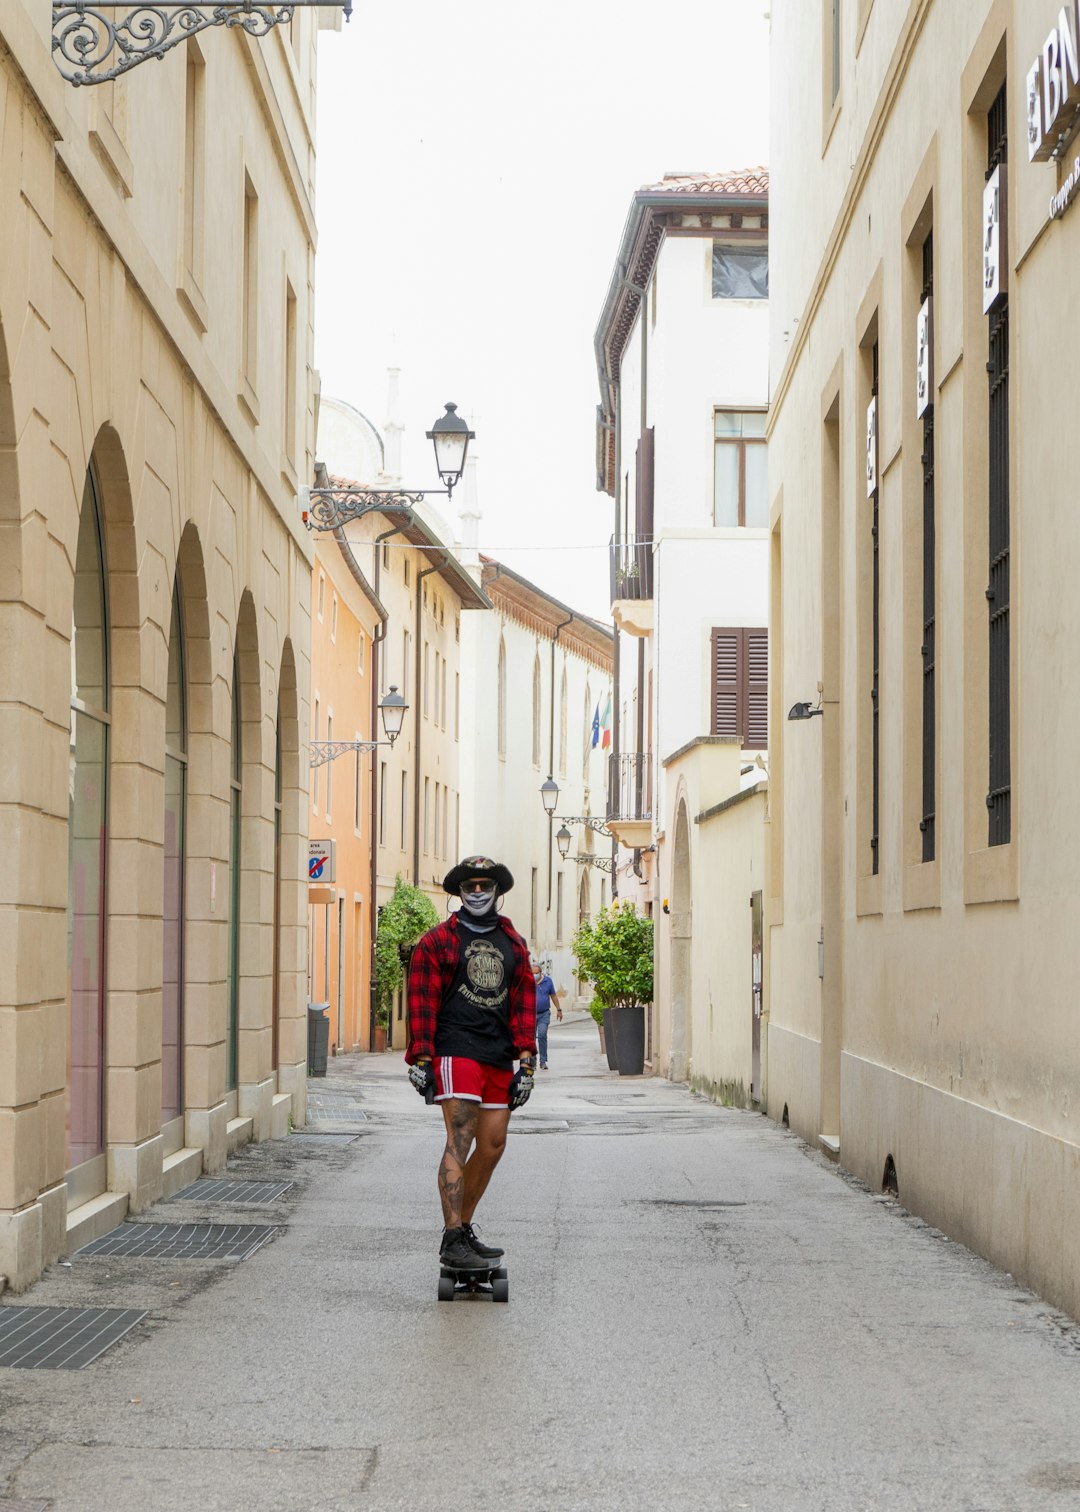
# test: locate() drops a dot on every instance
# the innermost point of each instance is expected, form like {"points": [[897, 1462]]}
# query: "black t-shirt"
{"points": [[474, 1020]]}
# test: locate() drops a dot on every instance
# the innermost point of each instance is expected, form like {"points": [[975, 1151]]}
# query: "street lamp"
{"points": [[562, 840], [392, 708], [329, 507], [549, 796], [451, 436]]}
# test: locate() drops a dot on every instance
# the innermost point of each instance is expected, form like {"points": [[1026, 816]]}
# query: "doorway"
{"points": [[681, 952]]}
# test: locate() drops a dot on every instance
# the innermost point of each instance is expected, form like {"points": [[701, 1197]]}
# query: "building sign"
{"points": [[1053, 86], [995, 242], [1061, 201], [871, 448], [322, 855], [924, 362]]}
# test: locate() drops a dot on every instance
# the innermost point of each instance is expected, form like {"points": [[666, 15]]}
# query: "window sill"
{"points": [[829, 120], [112, 154], [868, 896], [192, 299], [248, 399], [990, 875], [287, 469], [922, 886]]}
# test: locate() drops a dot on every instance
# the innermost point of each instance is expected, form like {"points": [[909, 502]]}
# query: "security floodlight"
{"points": [[803, 711]]}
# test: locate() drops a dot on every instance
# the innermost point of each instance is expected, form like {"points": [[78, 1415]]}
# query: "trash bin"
{"points": [[318, 1038]]}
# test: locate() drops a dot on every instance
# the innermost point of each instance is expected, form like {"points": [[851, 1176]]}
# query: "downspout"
{"points": [[616, 733], [419, 699], [373, 911], [551, 741]]}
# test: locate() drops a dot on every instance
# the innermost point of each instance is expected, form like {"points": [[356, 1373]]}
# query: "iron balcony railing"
{"points": [[630, 786], [632, 568]]}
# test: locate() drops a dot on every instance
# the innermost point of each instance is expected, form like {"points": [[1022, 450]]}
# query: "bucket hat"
{"points": [[478, 866]]}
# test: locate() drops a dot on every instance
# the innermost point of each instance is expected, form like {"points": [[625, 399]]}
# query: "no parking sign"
{"points": [[321, 859]]}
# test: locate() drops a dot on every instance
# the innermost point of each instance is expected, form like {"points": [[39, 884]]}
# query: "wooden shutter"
{"points": [[740, 686], [725, 682], [756, 682]]}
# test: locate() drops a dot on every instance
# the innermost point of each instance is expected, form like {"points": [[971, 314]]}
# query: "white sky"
{"points": [[475, 168]]}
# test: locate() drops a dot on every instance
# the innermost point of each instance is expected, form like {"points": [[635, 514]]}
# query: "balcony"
{"points": [[632, 584], [630, 799]]}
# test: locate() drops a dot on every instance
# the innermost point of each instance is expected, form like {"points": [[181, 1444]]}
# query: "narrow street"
{"points": [[703, 1314]]}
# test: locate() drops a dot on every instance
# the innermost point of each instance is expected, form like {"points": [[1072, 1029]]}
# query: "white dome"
{"points": [[348, 443]]}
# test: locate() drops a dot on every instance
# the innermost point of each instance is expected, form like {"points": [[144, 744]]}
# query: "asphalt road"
{"points": [[703, 1314]]}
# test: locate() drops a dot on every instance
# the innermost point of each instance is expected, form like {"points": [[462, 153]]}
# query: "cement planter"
{"points": [[627, 1028]]}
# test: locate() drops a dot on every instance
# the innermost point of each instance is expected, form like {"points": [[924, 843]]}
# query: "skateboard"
{"points": [[493, 1283]]}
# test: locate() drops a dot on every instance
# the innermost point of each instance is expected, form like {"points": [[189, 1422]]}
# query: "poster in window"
{"points": [[994, 245], [924, 371], [871, 448]]}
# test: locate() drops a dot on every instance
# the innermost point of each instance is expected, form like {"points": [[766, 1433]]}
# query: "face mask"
{"points": [[477, 904]]}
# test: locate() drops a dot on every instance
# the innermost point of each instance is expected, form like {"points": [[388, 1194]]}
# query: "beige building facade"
{"points": [[156, 414], [923, 896]]}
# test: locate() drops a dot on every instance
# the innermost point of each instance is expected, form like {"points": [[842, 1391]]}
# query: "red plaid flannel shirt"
{"points": [[431, 972]]}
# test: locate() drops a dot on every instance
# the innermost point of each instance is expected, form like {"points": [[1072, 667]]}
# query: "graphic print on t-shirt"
{"points": [[486, 973]]}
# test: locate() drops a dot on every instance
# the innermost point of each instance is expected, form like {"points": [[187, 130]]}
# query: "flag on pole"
{"points": [[595, 741], [605, 724]]}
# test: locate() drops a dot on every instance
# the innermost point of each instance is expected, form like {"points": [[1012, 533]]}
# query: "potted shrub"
{"points": [[403, 918], [614, 951]]}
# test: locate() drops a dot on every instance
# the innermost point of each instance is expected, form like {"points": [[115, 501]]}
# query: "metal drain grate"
{"points": [[325, 1139], [238, 1193], [60, 1338], [182, 1241]]}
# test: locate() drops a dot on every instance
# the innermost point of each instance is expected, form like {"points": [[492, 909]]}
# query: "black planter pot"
{"points": [[629, 1035], [609, 1040]]}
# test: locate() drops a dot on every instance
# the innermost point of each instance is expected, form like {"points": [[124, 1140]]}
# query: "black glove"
{"points": [[422, 1076], [521, 1083]]}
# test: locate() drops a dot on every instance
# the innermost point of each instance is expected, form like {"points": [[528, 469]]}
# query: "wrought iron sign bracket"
{"points": [[323, 751], [330, 508], [587, 819], [597, 861], [91, 44]]}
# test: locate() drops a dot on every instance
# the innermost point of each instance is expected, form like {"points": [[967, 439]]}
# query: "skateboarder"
{"points": [[472, 1013]]}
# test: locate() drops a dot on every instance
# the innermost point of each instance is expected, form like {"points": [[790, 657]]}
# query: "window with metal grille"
{"points": [[929, 614], [740, 686], [875, 643], [999, 794]]}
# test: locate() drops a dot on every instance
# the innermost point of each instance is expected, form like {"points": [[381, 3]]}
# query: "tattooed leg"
{"points": [[461, 1119], [491, 1130]]}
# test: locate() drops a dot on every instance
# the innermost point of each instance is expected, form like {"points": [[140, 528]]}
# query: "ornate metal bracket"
{"points": [[92, 47], [323, 751], [600, 862], [330, 508], [587, 819]]}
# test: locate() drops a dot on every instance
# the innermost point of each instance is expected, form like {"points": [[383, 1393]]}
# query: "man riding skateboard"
{"points": [[472, 1013]]}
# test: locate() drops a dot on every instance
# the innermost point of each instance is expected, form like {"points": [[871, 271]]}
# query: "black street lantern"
{"points": [[392, 708], [562, 840], [549, 795], [451, 436]]}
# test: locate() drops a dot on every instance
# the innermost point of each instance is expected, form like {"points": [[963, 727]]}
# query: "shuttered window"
{"points": [[999, 794], [740, 686]]}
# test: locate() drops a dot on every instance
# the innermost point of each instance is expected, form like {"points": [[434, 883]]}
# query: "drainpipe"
{"points": [[438, 567], [551, 743], [373, 911]]}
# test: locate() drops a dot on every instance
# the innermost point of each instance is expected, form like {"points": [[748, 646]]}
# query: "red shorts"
{"points": [[471, 1081]]}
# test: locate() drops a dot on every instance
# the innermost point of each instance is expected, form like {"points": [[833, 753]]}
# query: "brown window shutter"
{"points": [[725, 680], [756, 728], [646, 482]]}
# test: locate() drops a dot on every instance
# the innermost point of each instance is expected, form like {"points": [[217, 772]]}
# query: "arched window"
{"points": [[87, 835], [536, 712], [502, 698], [232, 1023], [172, 980], [275, 991], [562, 725]]}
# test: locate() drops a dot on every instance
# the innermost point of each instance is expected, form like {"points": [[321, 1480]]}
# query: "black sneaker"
{"points": [[457, 1253], [485, 1251]]}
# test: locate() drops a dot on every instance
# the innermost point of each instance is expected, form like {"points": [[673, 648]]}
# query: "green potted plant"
{"points": [[403, 918], [614, 951]]}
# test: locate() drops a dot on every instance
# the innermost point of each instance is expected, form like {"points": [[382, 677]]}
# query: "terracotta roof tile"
{"points": [[743, 182]]}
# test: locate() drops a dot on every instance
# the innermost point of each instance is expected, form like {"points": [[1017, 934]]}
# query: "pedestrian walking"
{"points": [[546, 999], [472, 1013]]}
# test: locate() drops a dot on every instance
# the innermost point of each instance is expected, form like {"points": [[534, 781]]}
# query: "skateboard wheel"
{"points": [[500, 1288], [446, 1288], [500, 1273]]}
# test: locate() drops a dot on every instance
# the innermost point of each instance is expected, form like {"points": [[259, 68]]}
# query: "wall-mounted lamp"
{"points": [[803, 711], [549, 795]]}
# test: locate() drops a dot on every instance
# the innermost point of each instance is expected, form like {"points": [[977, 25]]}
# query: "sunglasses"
{"points": [[478, 886]]}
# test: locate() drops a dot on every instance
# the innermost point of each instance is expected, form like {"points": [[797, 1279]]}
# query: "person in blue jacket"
{"points": [[546, 999]]}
